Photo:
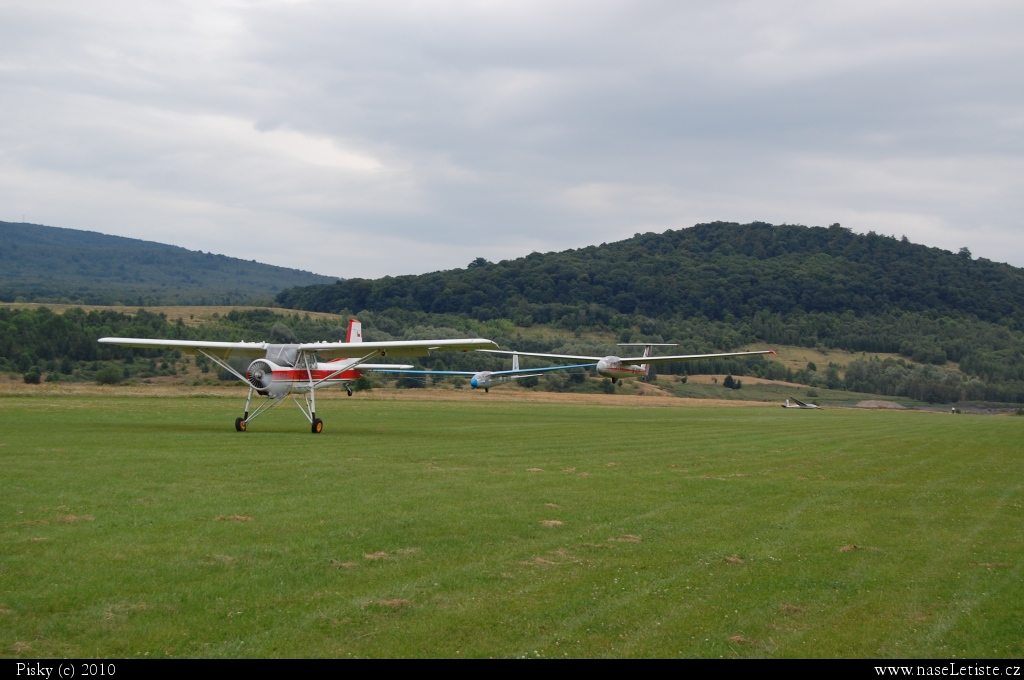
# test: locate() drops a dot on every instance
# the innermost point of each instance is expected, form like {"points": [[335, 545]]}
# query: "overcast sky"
{"points": [[374, 138]]}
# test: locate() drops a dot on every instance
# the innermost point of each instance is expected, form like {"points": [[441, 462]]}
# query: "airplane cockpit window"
{"points": [[283, 355]]}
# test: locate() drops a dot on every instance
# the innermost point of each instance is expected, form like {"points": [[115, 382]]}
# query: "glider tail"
{"points": [[646, 368]]}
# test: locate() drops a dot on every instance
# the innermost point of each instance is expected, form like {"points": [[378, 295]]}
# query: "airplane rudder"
{"points": [[355, 331]]}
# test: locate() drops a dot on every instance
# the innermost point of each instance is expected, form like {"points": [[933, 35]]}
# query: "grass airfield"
{"points": [[485, 528]]}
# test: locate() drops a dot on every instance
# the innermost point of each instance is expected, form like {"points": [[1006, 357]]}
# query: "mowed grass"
{"points": [[147, 526]]}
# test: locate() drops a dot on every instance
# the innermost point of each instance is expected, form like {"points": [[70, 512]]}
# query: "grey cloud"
{"points": [[397, 138]]}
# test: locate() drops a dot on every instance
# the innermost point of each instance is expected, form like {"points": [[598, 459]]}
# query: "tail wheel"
{"points": [[239, 425], [318, 426], [349, 390]]}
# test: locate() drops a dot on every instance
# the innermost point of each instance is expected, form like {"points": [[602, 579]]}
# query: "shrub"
{"points": [[109, 375], [32, 377]]}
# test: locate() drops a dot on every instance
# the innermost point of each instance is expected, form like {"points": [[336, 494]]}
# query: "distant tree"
{"points": [[728, 382], [32, 377], [811, 366]]}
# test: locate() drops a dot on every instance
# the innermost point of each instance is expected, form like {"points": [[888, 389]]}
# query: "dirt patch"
{"points": [[849, 548], [407, 551], [628, 538], [790, 609], [740, 640], [551, 505], [394, 603], [4, 611], [584, 474], [20, 647], [612, 464], [338, 564], [879, 403], [569, 469], [72, 519], [31, 521], [534, 470], [538, 562], [551, 522], [732, 559], [376, 556], [233, 518]]}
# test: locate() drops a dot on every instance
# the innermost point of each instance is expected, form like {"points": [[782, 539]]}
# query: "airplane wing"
{"points": [[218, 349], [798, 402], [534, 371], [690, 357], [399, 369], [538, 354], [634, 360], [396, 348]]}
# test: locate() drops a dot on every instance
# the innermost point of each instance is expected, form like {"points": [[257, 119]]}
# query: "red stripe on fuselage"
{"points": [[299, 375]]}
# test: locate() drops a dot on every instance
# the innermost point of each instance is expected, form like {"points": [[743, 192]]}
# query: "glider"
{"points": [[487, 379], [796, 403], [632, 367], [278, 370]]}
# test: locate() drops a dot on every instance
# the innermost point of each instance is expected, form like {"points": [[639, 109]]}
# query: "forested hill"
{"points": [[721, 271], [49, 264]]}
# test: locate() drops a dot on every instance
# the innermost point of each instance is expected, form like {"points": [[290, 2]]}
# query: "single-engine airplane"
{"points": [[617, 368], [485, 380], [278, 370], [796, 403]]}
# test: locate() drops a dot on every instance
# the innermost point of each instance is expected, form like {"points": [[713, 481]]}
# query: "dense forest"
{"points": [[48, 264], [722, 286], [716, 271]]}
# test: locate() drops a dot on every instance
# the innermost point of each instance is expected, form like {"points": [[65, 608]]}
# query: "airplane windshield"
{"points": [[283, 355]]}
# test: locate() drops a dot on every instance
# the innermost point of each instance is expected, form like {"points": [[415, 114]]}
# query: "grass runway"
{"points": [[147, 526]]}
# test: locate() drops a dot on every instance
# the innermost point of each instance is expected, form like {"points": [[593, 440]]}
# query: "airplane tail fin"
{"points": [[515, 362], [646, 368], [355, 331]]}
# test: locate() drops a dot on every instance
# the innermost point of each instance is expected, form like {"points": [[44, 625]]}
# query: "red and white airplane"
{"points": [[617, 368], [278, 370]]}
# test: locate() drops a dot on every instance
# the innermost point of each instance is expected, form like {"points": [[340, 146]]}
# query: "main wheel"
{"points": [[318, 426], [349, 390], [239, 425]]}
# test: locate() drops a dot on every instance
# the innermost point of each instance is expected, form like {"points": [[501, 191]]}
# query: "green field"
{"points": [[147, 526]]}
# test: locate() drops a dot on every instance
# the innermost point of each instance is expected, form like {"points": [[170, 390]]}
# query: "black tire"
{"points": [[318, 426], [349, 390], [239, 425]]}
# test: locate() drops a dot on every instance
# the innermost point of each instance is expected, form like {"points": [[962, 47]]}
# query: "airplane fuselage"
{"points": [[273, 380], [611, 367]]}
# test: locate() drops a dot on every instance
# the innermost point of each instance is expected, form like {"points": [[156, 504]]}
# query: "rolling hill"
{"points": [[49, 264]]}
